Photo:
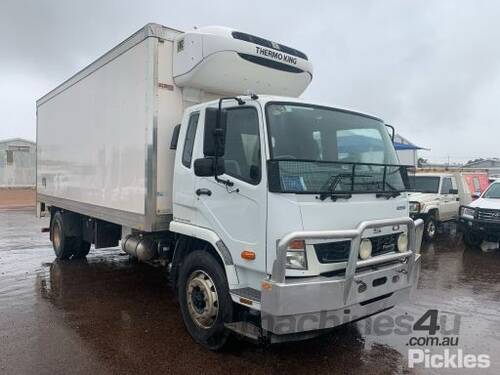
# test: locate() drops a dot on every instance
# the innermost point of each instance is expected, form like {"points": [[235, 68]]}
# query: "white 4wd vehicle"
{"points": [[480, 219], [436, 199]]}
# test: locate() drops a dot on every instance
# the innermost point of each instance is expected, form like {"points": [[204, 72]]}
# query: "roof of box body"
{"points": [[150, 30]]}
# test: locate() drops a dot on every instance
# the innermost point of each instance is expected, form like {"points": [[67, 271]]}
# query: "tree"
{"points": [[421, 162]]}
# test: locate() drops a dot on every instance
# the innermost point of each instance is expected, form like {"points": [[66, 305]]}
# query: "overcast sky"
{"points": [[431, 68]]}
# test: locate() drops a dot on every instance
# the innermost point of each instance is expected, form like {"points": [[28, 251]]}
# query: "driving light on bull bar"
{"points": [[403, 243], [365, 249], [296, 255]]}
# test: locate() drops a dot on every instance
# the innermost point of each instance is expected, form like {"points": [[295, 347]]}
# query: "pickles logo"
{"points": [[447, 359], [277, 55]]}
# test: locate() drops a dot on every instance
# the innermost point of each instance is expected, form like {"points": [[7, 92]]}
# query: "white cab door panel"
{"points": [[184, 207], [237, 213]]}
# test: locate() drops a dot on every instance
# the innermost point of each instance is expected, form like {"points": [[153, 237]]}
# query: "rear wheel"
{"points": [[82, 248], [66, 247], [63, 247], [204, 299]]}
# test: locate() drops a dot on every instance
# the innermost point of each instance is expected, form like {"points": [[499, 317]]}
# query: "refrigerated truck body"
{"points": [[193, 150]]}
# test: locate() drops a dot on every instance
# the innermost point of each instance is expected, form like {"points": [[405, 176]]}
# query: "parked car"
{"points": [[480, 219], [436, 198]]}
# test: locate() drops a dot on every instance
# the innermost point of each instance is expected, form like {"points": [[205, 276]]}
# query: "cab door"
{"points": [[237, 212], [184, 181], [450, 201]]}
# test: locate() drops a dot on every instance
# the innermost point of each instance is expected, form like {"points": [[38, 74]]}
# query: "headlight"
{"points": [[403, 243], [296, 255], [468, 212], [365, 249], [414, 207]]}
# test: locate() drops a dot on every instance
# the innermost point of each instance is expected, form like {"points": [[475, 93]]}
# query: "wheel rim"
{"points": [[56, 235], [431, 229], [202, 299]]}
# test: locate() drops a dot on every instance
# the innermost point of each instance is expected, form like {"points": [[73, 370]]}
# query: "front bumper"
{"points": [[485, 230], [298, 305]]}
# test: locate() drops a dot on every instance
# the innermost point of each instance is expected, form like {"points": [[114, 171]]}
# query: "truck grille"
{"points": [[488, 215], [335, 252]]}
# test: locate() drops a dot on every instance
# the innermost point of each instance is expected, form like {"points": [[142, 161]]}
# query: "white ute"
{"points": [[436, 198], [480, 219], [276, 218]]}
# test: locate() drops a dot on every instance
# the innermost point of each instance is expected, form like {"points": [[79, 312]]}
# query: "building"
{"points": [[407, 151], [492, 165], [17, 163]]}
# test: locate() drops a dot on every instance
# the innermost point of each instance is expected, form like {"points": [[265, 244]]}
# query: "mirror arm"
{"points": [[393, 131]]}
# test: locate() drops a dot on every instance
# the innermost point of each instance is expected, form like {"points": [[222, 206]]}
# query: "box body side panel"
{"points": [[92, 137]]}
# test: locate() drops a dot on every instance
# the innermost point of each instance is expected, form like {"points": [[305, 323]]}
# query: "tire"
{"points": [[471, 239], [83, 248], [430, 228], [66, 247], [202, 278], [63, 246]]}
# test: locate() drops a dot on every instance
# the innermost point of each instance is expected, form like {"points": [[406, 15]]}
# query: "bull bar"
{"points": [[283, 297]]}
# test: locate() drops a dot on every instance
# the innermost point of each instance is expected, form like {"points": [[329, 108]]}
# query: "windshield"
{"points": [[314, 149], [305, 132], [492, 192], [424, 184]]}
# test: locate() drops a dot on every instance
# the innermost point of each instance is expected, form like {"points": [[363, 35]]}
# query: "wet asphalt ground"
{"points": [[106, 315]]}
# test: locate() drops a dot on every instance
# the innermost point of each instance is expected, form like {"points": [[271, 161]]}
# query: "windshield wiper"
{"points": [[389, 194], [331, 184]]}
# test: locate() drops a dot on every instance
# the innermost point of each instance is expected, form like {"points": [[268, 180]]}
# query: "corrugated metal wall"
{"points": [[17, 163]]}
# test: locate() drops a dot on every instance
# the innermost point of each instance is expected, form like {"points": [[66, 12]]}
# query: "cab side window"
{"points": [[242, 151], [446, 186], [187, 152]]}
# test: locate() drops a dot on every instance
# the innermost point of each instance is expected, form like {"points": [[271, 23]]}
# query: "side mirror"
{"points": [[214, 134], [476, 195], [204, 167], [453, 191]]}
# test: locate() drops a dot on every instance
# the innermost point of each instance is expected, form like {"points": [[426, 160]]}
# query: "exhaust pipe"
{"points": [[140, 247]]}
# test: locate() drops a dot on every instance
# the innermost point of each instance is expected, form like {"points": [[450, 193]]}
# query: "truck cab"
{"points": [[306, 201], [435, 198]]}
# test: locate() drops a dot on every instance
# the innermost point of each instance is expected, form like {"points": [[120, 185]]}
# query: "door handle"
{"points": [[203, 192]]}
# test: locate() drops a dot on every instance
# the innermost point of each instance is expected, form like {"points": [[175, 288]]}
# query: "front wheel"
{"points": [[471, 239], [204, 299], [430, 228]]}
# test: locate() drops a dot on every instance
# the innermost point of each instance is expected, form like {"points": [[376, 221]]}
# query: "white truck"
{"points": [[436, 197], [276, 218]]}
